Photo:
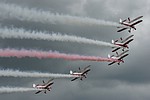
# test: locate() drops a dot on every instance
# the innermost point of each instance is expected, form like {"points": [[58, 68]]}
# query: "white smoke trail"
{"points": [[23, 34], [15, 89], [17, 73], [26, 14]]}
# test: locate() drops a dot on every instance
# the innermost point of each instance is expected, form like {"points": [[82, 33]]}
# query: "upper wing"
{"points": [[49, 85], [136, 19], [49, 81], [122, 29], [128, 41], [127, 38], [136, 22], [87, 67], [123, 56]]}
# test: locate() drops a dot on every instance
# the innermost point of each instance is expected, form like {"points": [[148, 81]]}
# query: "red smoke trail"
{"points": [[49, 54]]}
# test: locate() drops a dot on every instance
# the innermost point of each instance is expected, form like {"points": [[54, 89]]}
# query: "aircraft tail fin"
{"points": [[109, 56], [34, 85], [120, 20], [71, 72], [112, 41]]}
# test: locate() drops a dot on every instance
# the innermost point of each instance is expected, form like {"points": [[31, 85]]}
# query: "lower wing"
{"points": [[112, 63], [38, 92], [116, 49], [122, 29], [74, 78]]}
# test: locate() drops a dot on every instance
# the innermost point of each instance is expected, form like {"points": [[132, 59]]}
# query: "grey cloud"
{"points": [[127, 81]]}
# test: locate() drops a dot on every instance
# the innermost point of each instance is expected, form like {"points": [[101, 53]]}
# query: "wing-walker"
{"points": [[82, 73], [122, 43], [118, 57], [129, 24], [43, 87]]}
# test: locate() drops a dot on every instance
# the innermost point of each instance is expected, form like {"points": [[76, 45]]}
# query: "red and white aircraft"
{"points": [[129, 24], [122, 43], [81, 74], [44, 87], [118, 57]]}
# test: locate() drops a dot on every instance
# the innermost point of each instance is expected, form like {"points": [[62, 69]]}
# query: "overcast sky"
{"points": [[129, 81]]}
